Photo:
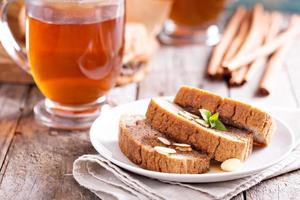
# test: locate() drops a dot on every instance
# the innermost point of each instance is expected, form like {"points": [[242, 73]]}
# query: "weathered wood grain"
{"points": [[293, 69], [282, 187], [11, 102], [172, 67], [40, 160], [11, 73], [218, 86], [122, 94]]}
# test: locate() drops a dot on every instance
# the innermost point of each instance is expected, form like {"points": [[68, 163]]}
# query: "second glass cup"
{"points": [[74, 51], [193, 21]]}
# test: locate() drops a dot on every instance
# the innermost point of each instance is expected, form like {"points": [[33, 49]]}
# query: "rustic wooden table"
{"points": [[36, 162]]}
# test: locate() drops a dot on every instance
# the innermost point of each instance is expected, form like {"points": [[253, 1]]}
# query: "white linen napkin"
{"points": [[110, 182]]}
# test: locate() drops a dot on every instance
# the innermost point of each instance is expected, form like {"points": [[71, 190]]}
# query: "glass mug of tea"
{"points": [[193, 21], [74, 52]]}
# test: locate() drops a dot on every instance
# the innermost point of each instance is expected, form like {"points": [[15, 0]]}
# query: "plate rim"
{"points": [[154, 174]]}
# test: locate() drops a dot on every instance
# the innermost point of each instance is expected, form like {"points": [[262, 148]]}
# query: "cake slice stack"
{"points": [[175, 137]]}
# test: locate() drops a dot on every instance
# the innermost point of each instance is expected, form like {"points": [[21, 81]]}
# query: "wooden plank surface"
{"points": [[39, 160], [282, 187], [11, 73], [293, 70], [172, 67], [11, 101]]}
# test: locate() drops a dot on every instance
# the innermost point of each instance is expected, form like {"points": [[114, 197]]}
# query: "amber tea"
{"points": [[196, 13], [193, 21], [74, 51], [75, 62]]}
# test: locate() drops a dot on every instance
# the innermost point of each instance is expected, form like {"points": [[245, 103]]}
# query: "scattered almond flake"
{"points": [[181, 145], [183, 114], [164, 150], [232, 164], [184, 148], [192, 115], [202, 122], [164, 140]]}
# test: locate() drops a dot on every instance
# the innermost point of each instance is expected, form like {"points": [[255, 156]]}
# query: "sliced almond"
{"points": [[164, 140], [191, 115], [181, 145], [183, 114], [164, 150], [202, 122], [184, 148], [188, 115], [232, 164]]}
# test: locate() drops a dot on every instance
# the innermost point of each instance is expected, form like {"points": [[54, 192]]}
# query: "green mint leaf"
{"points": [[220, 126], [212, 124], [214, 117], [205, 114]]}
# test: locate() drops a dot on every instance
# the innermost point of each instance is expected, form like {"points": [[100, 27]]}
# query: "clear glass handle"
{"points": [[10, 44]]}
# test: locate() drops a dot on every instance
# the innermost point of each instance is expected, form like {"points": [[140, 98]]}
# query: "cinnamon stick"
{"points": [[238, 40], [238, 76], [272, 24], [229, 33], [252, 36], [272, 68], [275, 62], [266, 49]]}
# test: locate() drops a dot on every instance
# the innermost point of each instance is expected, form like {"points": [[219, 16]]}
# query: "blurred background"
{"points": [[283, 5]]}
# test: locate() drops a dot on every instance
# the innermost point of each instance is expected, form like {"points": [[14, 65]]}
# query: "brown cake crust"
{"points": [[219, 145], [232, 112], [137, 141]]}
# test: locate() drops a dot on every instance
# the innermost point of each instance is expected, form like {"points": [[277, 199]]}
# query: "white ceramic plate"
{"points": [[104, 137]]}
